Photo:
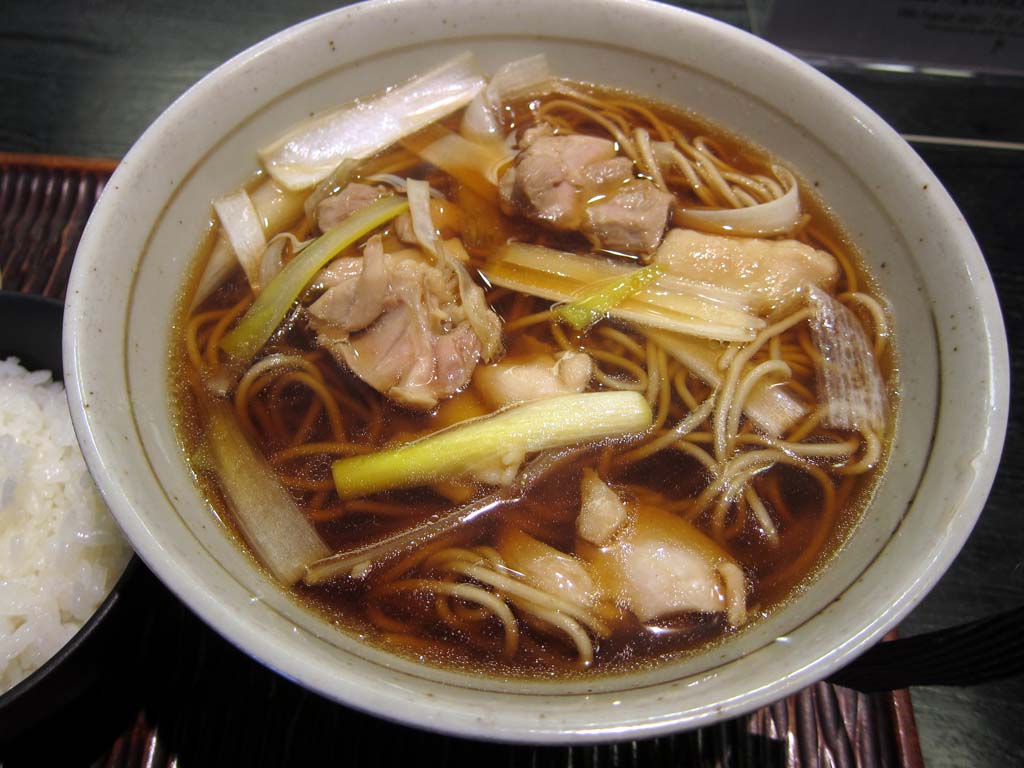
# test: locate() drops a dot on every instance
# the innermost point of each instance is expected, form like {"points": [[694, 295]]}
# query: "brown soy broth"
{"points": [[549, 513], [670, 474]]}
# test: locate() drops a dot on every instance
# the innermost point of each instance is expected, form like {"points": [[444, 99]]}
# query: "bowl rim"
{"points": [[188, 587]]}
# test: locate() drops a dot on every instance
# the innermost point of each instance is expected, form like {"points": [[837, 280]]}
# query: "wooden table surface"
{"points": [[87, 78]]}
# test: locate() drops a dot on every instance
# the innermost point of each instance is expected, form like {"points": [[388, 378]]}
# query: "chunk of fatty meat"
{"points": [[517, 380], [663, 566], [548, 569], [769, 274], [602, 511], [551, 182]]}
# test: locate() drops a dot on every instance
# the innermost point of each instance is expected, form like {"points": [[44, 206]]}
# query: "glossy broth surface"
{"points": [[446, 630]]}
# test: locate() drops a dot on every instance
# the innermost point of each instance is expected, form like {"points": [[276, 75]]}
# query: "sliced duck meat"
{"points": [[609, 174], [333, 210], [386, 354], [337, 271], [770, 274], [398, 324], [550, 182], [578, 183], [517, 380], [358, 294], [457, 353], [632, 219]]}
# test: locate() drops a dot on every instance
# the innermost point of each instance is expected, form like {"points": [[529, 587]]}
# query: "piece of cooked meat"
{"points": [[397, 324], [550, 183], [662, 566], [609, 174], [602, 512], [578, 183], [333, 210], [519, 380], [548, 569], [456, 353], [632, 219], [768, 273], [358, 293]]}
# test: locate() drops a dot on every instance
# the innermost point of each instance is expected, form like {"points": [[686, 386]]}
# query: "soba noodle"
{"points": [[758, 509]]}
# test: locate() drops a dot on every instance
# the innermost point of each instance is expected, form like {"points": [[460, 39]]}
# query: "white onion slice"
{"points": [[772, 218], [277, 530], [271, 260], [276, 208], [418, 192], [482, 116], [244, 231], [850, 380], [309, 152], [736, 593], [398, 183]]}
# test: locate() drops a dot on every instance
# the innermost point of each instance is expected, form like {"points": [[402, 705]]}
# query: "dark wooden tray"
{"points": [[172, 692]]}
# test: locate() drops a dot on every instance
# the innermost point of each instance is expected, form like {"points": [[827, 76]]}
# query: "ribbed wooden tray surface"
{"points": [[182, 696]]}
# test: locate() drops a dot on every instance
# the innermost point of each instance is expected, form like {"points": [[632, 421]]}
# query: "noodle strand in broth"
{"points": [[729, 483]]}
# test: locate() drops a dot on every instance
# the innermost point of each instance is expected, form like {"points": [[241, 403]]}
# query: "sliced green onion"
{"points": [[271, 306], [586, 311], [505, 437]]}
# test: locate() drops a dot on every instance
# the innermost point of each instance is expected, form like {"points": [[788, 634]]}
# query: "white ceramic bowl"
{"points": [[950, 340]]}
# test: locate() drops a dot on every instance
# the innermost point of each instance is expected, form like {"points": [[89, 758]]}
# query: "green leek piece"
{"points": [[271, 306], [586, 311], [503, 437], [667, 302], [280, 535]]}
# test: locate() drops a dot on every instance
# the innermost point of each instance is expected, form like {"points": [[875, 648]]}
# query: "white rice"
{"points": [[60, 550]]}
